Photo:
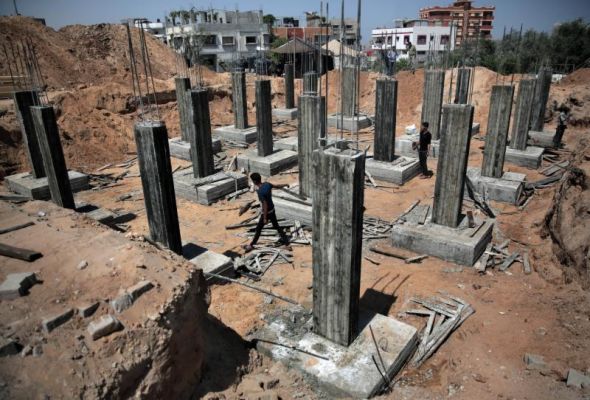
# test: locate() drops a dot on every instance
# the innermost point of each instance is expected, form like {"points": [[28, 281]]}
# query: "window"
{"points": [[406, 39], [421, 39], [444, 39], [227, 40], [251, 40], [210, 40], [389, 40]]}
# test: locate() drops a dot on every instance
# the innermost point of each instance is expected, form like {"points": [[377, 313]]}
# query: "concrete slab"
{"points": [[461, 245], [208, 261], [181, 149], [267, 166], [401, 170], [285, 113], [530, 157], [26, 185], [288, 143], [350, 124], [210, 189], [541, 139], [506, 189], [290, 207], [339, 371], [230, 132]]}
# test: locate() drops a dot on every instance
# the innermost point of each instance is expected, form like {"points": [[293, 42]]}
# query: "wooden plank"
{"points": [[508, 262], [388, 253], [19, 253], [526, 263], [16, 227]]}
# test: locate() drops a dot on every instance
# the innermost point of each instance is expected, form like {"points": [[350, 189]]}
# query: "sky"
{"points": [[541, 15]]}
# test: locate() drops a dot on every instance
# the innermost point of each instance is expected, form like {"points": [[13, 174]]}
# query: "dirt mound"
{"points": [[568, 220], [572, 91], [79, 54]]}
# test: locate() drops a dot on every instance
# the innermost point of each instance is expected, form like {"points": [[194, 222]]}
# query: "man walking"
{"points": [[561, 126], [264, 191], [424, 149]]}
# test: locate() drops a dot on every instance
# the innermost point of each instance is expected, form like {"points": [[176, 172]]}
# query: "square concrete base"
{"points": [[339, 371], [461, 245], [285, 113], [506, 189], [403, 146], [229, 132], [541, 139], [351, 124], [38, 189], [267, 166], [209, 189], [181, 149], [289, 143], [530, 157], [208, 261], [401, 170], [290, 207]]}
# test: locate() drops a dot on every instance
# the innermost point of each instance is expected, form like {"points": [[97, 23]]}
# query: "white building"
{"points": [[223, 37], [425, 38], [155, 28]]}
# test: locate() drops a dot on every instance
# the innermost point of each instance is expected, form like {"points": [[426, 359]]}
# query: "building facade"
{"points": [[349, 30], [469, 21], [425, 38], [222, 38]]}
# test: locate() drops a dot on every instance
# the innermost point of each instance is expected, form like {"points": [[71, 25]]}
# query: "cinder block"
{"points": [[122, 302], [87, 310], [55, 321], [17, 285], [139, 288], [104, 326]]}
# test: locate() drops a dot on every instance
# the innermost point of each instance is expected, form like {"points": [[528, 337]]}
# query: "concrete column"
{"points": [[240, 100], [289, 86], [54, 163], [522, 114], [264, 118], [498, 126], [182, 85], [349, 91], [462, 88], [201, 150], [452, 165], [312, 126], [153, 153], [434, 82], [338, 196], [540, 99], [385, 116], [23, 100], [310, 83]]}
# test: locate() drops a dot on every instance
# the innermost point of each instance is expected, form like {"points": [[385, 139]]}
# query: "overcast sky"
{"points": [[536, 14]]}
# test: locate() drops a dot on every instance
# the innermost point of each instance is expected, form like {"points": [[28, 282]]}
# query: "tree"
{"points": [[269, 20], [570, 43]]}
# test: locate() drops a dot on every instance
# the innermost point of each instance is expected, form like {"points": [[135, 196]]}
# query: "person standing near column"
{"points": [[423, 150], [561, 126]]}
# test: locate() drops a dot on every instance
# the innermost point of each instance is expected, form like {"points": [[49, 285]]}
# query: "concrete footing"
{"points": [[403, 146], [38, 188], [181, 149], [230, 132], [291, 143], [399, 171], [209, 189], [531, 157], [285, 113], [351, 124], [541, 139], [339, 371], [506, 189], [291, 207], [461, 245], [267, 166], [208, 261]]}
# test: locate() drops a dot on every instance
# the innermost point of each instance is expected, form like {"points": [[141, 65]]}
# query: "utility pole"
{"points": [[15, 9]]}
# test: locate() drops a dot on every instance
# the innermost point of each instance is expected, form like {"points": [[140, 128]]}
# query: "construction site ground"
{"points": [[546, 312]]}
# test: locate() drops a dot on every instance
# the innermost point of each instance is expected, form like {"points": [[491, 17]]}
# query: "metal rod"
{"points": [[253, 287]]}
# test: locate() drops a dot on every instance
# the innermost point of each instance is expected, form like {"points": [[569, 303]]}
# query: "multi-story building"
{"points": [[349, 28], [286, 22], [470, 22], [221, 37], [418, 33], [155, 28], [314, 32]]}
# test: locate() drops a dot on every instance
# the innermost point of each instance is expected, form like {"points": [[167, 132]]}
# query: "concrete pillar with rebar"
{"points": [[289, 86], [452, 165], [23, 101], [310, 83], [462, 85], [201, 150], [239, 98], [312, 127], [53, 157], [497, 135], [540, 98], [151, 139], [264, 118], [522, 114], [432, 100], [338, 196], [182, 86], [349, 91], [385, 118]]}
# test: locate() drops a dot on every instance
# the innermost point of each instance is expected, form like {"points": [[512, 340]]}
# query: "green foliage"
{"points": [[269, 19]]}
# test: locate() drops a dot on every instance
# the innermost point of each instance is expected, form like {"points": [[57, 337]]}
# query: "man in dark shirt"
{"points": [[424, 149], [264, 191]]}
